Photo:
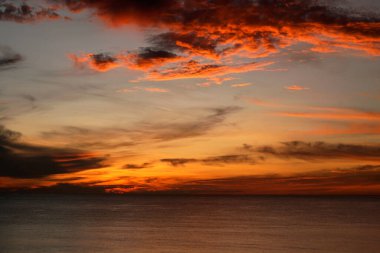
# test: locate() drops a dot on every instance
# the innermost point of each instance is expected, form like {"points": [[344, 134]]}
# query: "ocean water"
{"points": [[176, 224]]}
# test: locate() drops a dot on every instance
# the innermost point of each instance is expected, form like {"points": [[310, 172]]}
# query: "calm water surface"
{"points": [[139, 224]]}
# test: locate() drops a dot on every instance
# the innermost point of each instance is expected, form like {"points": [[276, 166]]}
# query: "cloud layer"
{"points": [[247, 29]]}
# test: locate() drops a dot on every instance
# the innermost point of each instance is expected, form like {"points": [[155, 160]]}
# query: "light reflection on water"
{"points": [[175, 224]]}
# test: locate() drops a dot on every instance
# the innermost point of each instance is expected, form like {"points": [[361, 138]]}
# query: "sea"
{"points": [[39, 223]]}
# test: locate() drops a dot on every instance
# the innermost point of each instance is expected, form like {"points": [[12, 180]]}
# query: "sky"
{"points": [[190, 96]]}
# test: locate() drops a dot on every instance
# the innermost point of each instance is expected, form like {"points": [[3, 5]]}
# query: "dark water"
{"points": [[48, 223]]}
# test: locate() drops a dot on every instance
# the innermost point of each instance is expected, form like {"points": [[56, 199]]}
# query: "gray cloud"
{"points": [[24, 13], [213, 160], [8, 57], [23, 160], [321, 150], [142, 132]]}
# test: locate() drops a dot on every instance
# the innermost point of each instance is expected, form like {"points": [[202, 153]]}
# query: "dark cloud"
{"points": [[60, 188], [99, 62], [24, 13], [102, 59], [178, 161], [189, 42], [22, 160], [8, 57], [322, 150], [142, 59], [136, 166], [148, 57], [213, 160], [118, 12]]}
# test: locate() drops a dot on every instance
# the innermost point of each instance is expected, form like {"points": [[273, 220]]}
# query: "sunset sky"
{"points": [[190, 96]]}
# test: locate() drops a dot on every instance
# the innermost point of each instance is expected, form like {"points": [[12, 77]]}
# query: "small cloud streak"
{"points": [[240, 85], [347, 129], [213, 160], [194, 69], [322, 151], [296, 88], [131, 166], [147, 89], [334, 114], [157, 90]]}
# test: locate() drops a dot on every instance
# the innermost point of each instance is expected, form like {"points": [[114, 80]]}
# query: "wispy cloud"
{"points": [[213, 160], [194, 69], [331, 113], [131, 166], [346, 129], [322, 150], [142, 132], [147, 89], [8, 57], [240, 85]]}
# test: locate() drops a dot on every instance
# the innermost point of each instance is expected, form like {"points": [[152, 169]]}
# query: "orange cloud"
{"points": [[98, 62], [296, 88], [219, 30], [158, 90], [240, 85], [147, 89], [144, 59], [194, 69], [343, 115], [350, 129]]}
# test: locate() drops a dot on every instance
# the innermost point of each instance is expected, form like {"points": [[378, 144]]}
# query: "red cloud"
{"points": [[221, 29]]}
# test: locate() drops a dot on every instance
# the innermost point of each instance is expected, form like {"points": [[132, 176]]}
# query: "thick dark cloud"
{"points": [[148, 57], [8, 57], [22, 160], [103, 59], [321, 150], [24, 13], [120, 12]]}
